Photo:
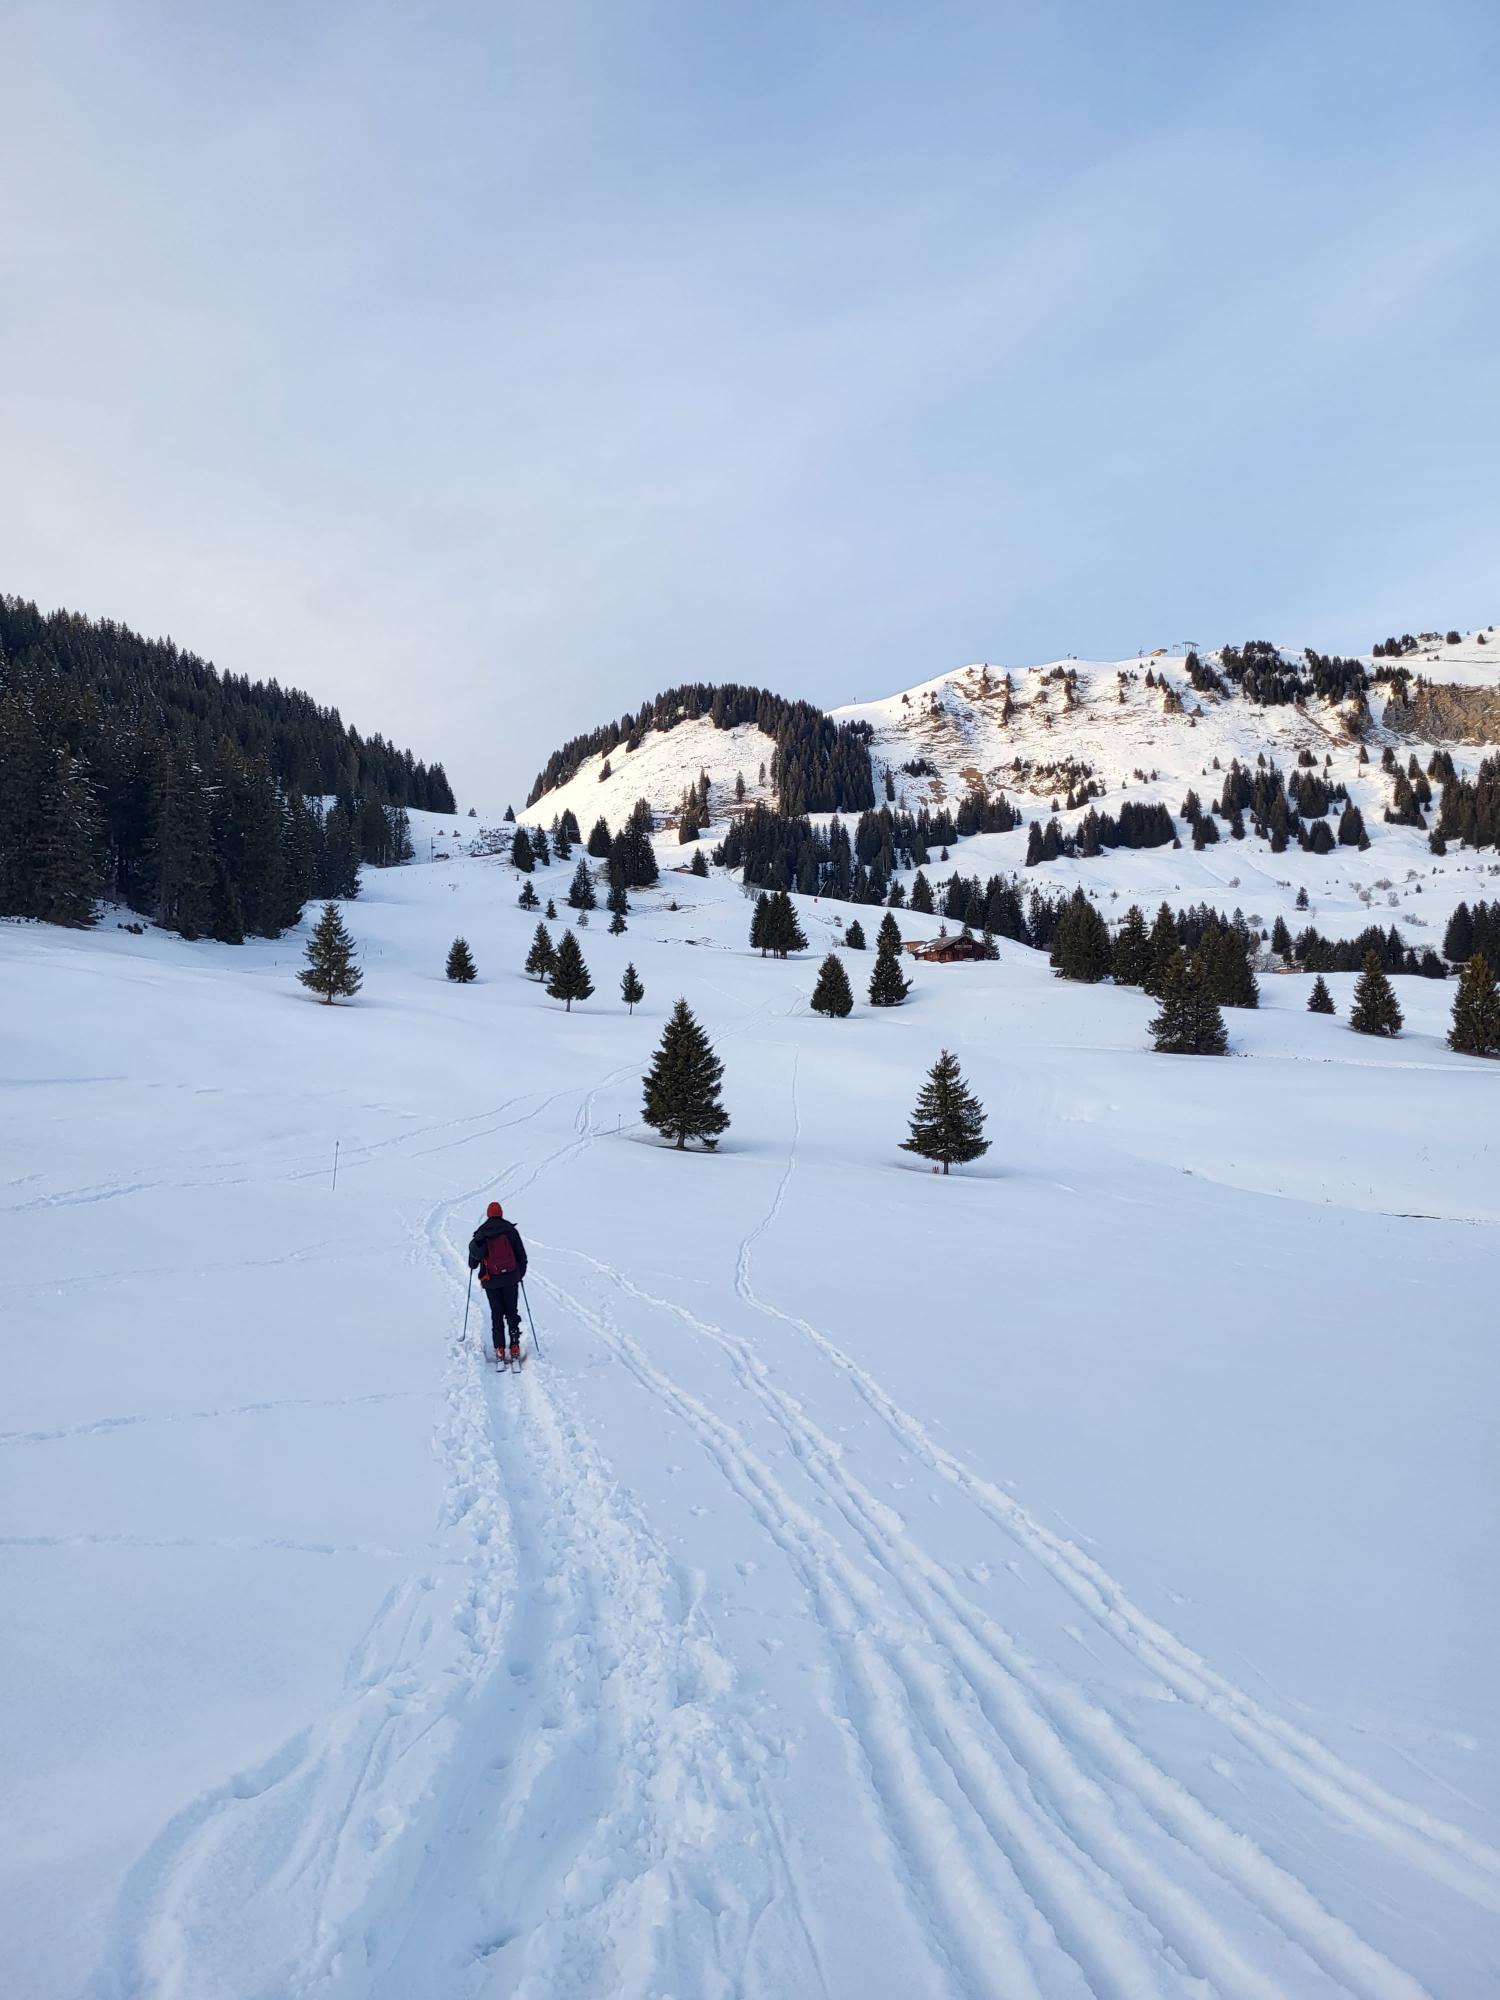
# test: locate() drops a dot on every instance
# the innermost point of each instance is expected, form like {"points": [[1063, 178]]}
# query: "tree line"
{"points": [[133, 771]]}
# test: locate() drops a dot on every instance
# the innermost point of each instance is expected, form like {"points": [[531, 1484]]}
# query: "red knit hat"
{"points": [[494, 1209]]}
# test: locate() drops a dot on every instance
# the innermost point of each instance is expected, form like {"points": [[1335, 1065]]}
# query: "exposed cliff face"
{"points": [[1447, 714]]}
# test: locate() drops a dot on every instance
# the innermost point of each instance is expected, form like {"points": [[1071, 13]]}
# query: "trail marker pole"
{"points": [[333, 1189]]}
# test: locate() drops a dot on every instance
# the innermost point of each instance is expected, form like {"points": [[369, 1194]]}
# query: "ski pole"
{"points": [[529, 1320], [467, 1296]]}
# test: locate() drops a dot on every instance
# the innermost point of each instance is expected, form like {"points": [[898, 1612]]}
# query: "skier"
{"points": [[497, 1253]]}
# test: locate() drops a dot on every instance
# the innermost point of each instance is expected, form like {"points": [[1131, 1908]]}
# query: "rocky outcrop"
{"points": [[1446, 714]]}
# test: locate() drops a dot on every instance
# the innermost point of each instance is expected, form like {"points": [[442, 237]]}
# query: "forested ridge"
{"points": [[819, 765], [132, 770]]}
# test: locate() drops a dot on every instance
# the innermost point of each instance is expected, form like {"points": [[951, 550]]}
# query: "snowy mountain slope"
{"points": [[1067, 1578], [661, 768], [1143, 744]]}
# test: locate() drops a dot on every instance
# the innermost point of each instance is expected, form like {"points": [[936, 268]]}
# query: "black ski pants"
{"points": [[502, 1294]]}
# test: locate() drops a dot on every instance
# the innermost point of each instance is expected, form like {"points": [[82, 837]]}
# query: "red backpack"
{"points": [[499, 1258]]}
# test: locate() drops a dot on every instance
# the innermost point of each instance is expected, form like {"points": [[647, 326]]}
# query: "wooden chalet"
{"points": [[948, 950]]}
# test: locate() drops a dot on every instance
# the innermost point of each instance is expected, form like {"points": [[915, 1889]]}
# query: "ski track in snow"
{"points": [[425, 1835]]}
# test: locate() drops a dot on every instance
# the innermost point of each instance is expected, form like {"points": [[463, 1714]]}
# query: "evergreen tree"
{"points": [[1281, 939], [599, 840], [1080, 943], [581, 894], [760, 924], [1225, 955], [617, 923], [921, 895], [569, 979], [179, 850], [1476, 1010], [338, 876], [682, 1086], [888, 937], [948, 1119], [888, 984], [854, 936], [551, 911], [617, 902], [63, 858], [1164, 949], [699, 864], [521, 855], [785, 933], [330, 969], [540, 849], [461, 967], [540, 957], [1375, 1011], [1320, 1000], [1131, 958], [1189, 1023], [1458, 939], [831, 995], [631, 990], [528, 898]]}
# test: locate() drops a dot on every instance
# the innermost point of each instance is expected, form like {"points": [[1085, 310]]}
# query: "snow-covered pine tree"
{"points": [[854, 936], [1189, 1023], [581, 893], [1476, 1010], [540, 957], [682, 1086], [948, 1120], [569, 979], [461, 968], [832, 995], [1375, 1010], [330, 969], [1320, 1000], [631, 990]]}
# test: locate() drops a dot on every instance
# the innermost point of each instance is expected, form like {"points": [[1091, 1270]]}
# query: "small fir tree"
{"points": [[682, 1086], [616, 924], [1375, 1011], [631, 990], [854, 936], [581, 894], [948, 1120], [888, 937], [787, 934], [1320, 1000], [528, 898], [461, 968], [760, 924], [1189, 1023], [700, 862], [831, 995], [569, 980], [1164, 948], [617, 902], [551, 911], [539, 958], [330, 969], [888, 984], [521, 855], [1476, 1010]]}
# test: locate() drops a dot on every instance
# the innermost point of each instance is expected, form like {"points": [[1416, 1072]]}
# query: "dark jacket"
{"points": [[492, 1226]]}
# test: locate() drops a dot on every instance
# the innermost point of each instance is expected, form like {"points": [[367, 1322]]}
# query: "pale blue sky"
{"points": [[484, 369]]}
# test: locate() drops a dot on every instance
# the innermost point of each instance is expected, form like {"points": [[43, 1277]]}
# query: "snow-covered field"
{"points": [[1072, 1577]]}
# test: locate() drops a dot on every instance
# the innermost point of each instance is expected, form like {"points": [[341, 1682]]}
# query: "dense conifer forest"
{"points": [[135, 771]]}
